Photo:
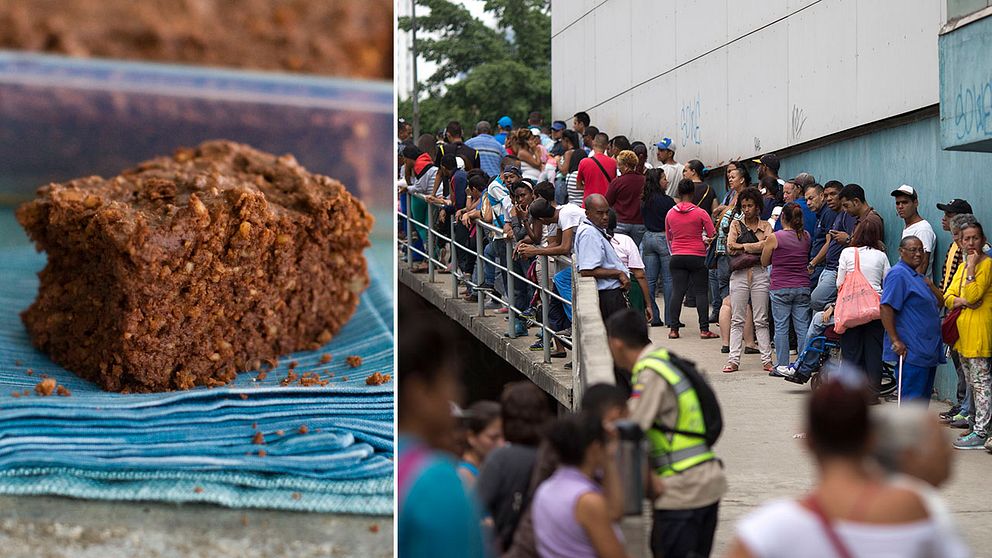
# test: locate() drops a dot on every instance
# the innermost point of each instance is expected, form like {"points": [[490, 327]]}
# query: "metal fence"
{"points": [[432, 254]]}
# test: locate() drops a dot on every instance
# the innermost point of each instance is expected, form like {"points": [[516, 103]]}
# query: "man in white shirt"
{"points": [[673, 170], [908, 208]]}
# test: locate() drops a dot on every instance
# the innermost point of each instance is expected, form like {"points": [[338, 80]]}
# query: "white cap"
{"points": [[905, 190]]}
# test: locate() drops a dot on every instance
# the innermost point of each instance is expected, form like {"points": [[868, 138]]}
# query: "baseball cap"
{"points": [[535, 130], [770, 160], [955, 206], [513, 170], [558, 125], [666, 143], [505, 122], [905, 190]]}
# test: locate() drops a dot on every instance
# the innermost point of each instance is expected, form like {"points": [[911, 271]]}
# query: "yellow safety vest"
{"points": [[672, 453]]}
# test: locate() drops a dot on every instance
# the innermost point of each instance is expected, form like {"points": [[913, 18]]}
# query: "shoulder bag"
{"points": [[949, 325], [857, 301], [744, 260], [602, 168]]}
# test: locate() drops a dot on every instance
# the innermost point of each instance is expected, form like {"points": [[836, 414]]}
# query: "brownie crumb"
{"points": [[304, 429], [63, 391], [280, 432], [377, 379], [312, 379], [18, 362], [258, 439], [45, 387], [344, 378], [325, 358], [243, 396], [297, 495], [354, 361], [262, 453], [27, 392], [29, 372], [262, 375], [15, 394], [254, 426], [290, 378], [292, 364], [374, 528], [198, 490], [271, 362]]}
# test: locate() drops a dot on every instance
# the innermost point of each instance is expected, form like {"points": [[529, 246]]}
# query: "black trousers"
{"points": [[861, 347], [610, 301], [466, 261], [684, 533], [690, 272]]}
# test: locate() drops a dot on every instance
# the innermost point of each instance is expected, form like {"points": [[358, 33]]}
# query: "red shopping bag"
{"points": [[857, 301]]}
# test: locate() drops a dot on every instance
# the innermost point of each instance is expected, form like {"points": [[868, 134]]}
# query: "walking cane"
{"points": [[899, 383]]}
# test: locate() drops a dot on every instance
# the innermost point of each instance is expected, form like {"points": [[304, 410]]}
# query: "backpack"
{"points": [[708, 404]]}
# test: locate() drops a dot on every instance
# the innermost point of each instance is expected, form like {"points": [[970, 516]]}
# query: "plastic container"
{"points": [[67, 117]]}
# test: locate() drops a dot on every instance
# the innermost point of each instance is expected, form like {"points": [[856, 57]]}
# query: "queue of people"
{"points": [[777, 266]]}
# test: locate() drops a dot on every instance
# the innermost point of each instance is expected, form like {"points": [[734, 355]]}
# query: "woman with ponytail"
{"points": [[787, 251]]}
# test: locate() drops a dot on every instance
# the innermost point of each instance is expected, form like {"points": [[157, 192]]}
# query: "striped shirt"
{"points": [[574, 192]]}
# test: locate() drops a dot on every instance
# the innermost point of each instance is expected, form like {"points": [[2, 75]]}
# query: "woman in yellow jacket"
{"points": [[971, 290]]}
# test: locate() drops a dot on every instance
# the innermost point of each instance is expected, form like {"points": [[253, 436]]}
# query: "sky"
{"points": [[403, 63]]}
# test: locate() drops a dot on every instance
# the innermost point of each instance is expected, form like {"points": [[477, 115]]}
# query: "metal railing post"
{"points": [[430, 242], [409, 229], [577, 372], [545, 326], [480, 272], [453, 251], [509, 287]]}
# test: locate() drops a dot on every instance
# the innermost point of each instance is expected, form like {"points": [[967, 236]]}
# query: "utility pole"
{"points": [[416, 85]]}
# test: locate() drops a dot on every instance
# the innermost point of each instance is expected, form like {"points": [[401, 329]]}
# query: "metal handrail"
{"points": [[543, 285]]}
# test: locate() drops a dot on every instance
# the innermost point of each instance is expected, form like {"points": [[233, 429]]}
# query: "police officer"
{"points": [[686, 472]]}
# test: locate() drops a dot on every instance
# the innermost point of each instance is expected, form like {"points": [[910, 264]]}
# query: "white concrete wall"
{"points": [[729, 79]]}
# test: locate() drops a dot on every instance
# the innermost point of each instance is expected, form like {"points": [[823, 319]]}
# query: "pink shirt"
{"points": [[684, 228]]}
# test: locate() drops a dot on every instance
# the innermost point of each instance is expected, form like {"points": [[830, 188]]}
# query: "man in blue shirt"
{"points": [[793, 191], [911, 318], [596, 257], [491, 151], [838, 235], [824, 218], [505, 124]]}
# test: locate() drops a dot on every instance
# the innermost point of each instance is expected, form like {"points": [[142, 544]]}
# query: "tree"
{"points": [[482, 72]]}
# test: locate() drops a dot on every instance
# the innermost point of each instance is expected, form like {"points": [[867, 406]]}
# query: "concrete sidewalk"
{"points": [[763, 459]]}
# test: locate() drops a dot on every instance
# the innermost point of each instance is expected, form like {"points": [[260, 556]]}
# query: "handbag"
{"points": [[949, 325], [745, 260], [857, 301], [812, 504]]}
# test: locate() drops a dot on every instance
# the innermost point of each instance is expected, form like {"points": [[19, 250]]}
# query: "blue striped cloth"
{"points": [[197, 445]]}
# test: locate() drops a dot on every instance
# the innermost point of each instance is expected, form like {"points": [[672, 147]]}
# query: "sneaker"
{"points": [[751, 351], [970, 442], [988, 444], [781, 372], [959, 423], [537, 345], [948, 415], [493, 305]]}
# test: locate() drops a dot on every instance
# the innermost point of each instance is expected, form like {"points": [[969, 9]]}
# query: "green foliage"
{"points": [[483, 72]]}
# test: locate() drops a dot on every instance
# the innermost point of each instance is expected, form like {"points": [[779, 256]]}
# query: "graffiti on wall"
{"points": [[689, 122], [798, 121], [973, 110]]}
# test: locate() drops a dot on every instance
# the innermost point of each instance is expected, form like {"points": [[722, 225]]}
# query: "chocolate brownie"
{"points": [[184, 270]]}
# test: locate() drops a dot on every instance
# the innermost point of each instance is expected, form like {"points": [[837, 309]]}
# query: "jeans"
{"points": [[657, 259], [719, 282], [825, 291], [749, 285], [690, 271], [684, 532], [963, 390], [861, 347], [463, 243], [561, 191], [791, 302], [636, 232]]}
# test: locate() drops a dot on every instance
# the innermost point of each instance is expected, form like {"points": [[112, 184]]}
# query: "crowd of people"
{"points": [[777, 266]]}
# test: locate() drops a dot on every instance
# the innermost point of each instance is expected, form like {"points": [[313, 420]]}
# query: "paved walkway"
{"points": [[763, 458]]}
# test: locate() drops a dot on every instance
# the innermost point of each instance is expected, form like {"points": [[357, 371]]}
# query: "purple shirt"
{"points": [[789, 261], [556, 530]]}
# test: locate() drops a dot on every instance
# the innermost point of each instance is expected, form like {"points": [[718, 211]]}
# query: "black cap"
{"points": [[955, 206], [770, 160], [513, 170]]}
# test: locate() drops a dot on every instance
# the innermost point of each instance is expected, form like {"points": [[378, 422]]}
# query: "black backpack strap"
{"points": [[602, 168]]}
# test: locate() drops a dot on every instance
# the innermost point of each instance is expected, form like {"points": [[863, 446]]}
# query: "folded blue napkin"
{"points": [[254, 443]]}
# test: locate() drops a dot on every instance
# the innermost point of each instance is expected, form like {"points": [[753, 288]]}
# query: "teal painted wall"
{"points": [[966, 87], [907, 154]]}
